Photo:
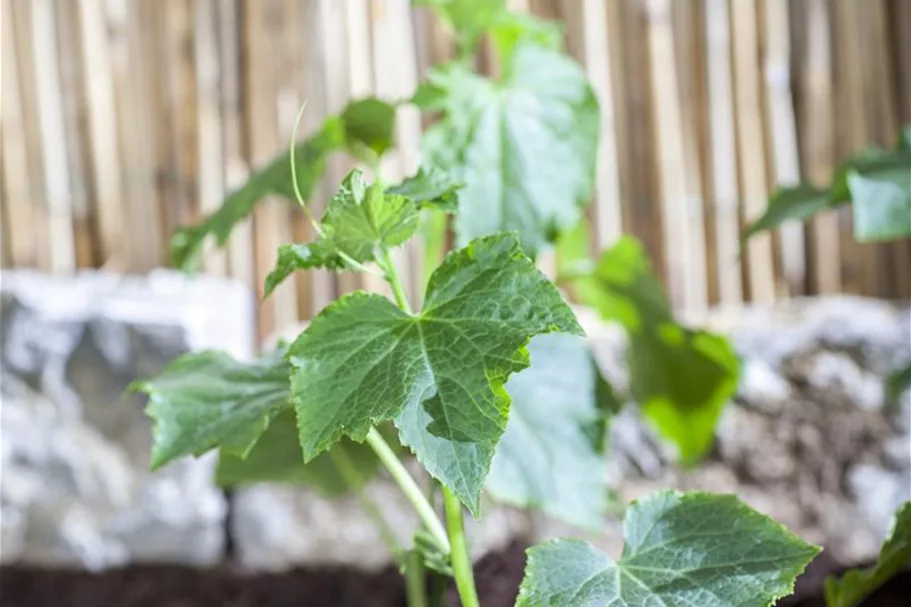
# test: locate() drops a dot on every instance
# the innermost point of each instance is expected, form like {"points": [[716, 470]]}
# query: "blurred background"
{"points": [[123, 119]]}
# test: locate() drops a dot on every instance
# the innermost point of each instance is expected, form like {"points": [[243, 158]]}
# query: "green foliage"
{"points": [[440, 374], [681, 378], [207, 400], [365, 128], [430, 188], [525, 146], [897, 383], [876, 182], [552, 454], [468, 18], [855, 585], [682, 550]]}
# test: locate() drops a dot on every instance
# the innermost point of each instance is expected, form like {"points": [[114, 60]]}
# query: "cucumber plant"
{"points": [[487, 381]]}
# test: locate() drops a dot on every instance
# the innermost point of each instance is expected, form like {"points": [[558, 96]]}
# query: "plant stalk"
{"points": [[392, 277], [410, 488], [461, 558], [415, 580]]}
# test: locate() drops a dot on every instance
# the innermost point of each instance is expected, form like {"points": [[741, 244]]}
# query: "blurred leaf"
{"points": [[469, 19], [904, 138], [798, 203], [525, 146], [277, 457], [510, 29], [897, 383], [551, 455], [207, 399], [681, 378], [882, 205], [895, 555], [682, 550], [369, 128]]}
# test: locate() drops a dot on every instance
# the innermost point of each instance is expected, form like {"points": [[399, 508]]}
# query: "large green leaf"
{"points": [[882, 205], [208, 399], [682, 550], [440, 373], [551, 455], [365, 128], [276, 457], [525, 147], [681, 378], [358, 220], [895, 555]]}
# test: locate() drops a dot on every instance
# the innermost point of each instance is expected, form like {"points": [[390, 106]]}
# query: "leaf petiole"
{"points": [[408, 486], [461, 559]]}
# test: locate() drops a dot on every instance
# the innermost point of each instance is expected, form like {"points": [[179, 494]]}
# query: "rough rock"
{"points": [[809, 438], [75, 451]]}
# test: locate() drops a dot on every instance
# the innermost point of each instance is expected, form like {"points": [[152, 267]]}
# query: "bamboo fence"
{"points": [[122, 119]]}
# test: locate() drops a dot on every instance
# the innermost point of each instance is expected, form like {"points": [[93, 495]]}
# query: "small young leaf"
{"points": [[440, 374], [682, 550], [525, 147], [798, 203], [510, 29], [551, 455], [310, 158], [208, 399], [854, 586], [276, 457], [882, 205], [681, 378], [430, 188], [359, 219]]}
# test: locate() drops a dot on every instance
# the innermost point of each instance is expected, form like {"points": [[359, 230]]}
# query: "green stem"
{"points": [[461, 559], [410, 488], [353, 478], [415, 580], [392, 277]]}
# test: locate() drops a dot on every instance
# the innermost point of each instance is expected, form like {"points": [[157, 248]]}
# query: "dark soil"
{"points": [[498, 577]]}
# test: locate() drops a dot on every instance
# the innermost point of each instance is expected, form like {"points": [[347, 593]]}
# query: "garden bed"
{"points": [[498, 577]]}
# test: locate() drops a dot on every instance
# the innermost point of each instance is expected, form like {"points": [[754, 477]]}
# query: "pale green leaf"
{"points": [[525, 147], [882, 205], [510, 29], [551, 455], [681, 378], [682, 550], [276, 458], [469, 19], [850, 589], [206, 400], [440, 373], [359, 219]]}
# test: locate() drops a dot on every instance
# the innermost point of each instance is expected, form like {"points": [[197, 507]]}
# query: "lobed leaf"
{"points": [[440, 374], [430, 188], [525, 147], [854, 586], [206, 400], [681, 378], [682, 550], [551, 455]]}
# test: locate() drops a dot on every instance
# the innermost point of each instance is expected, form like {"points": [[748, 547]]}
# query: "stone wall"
{"points": [[807, 440]]}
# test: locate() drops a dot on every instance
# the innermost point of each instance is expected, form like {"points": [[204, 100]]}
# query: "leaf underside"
{"points": [[682, 550], [439, 374]]}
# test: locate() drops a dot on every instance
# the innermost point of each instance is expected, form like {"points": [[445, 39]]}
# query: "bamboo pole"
{"points": [[19, 216], [751, 156], [782, 136], [686, 261]]}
